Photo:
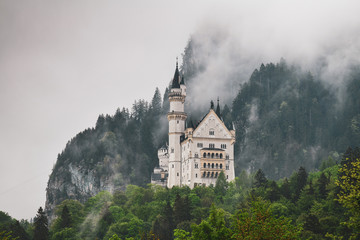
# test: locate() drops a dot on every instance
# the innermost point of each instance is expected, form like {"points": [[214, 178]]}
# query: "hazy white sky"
{"points": [[62, 63]]}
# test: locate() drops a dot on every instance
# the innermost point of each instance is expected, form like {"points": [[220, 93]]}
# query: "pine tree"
{"points": [[65, 218], [260, 179], [221, 186], [273, 192], [321, 186], [41, 231], [285, 189], [156, 103]]}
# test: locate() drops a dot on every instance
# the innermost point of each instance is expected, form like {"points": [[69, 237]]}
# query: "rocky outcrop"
{"points": [[81, 182]]}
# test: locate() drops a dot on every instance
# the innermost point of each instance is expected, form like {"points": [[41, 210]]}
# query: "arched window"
{"points": [[220, 165], [204, 174], [212, 165], [217, 165], [216, 175], [220, 155], [208, 174], [212, 155], [217, 155], [208, 165], [208, 155], [204, 155], [204, 165], [212, 174]]}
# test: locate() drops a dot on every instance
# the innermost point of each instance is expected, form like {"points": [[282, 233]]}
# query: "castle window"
{"points": [[211, 132], [212, 165], [217, 155], [208, 165], [217, 165], [196, 175], [196, 165], [227, 176], [221, 155], [223, 146], [212, 155], [227, 167], [173, 166], [216, 175], [204, 165], [204, 155], [204, 174], [211, 145], [220, 165], [227, 156], [199, 145], [177, 121], [177, 174]]}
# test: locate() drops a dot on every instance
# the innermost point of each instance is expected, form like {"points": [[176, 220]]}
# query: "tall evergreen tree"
{"points": [[65, 218], [181, 210], [285, 189], [260, 179], [41, 231], [321, 186], [156, 103], [221, 186]]}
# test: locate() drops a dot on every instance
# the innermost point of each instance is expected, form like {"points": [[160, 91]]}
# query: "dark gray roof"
{"points": [[176, 80]]}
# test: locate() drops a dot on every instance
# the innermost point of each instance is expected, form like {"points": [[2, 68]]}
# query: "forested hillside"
{"points": [[307, 205], [284, 118], [120, 150]]}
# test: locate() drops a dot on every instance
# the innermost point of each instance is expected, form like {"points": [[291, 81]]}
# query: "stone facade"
{"points": [[195, 155]]}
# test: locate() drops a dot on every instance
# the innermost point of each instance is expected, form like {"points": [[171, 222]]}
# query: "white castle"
{"points": [[195, 155]]}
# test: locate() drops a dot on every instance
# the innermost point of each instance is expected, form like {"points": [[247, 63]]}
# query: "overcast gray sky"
{"points": [[62, 63]]}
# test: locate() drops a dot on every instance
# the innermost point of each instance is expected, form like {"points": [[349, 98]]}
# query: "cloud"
{"points": [[321, 37]]}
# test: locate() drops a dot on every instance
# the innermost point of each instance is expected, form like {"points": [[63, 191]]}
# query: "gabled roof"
{"points": [[207, 116]]}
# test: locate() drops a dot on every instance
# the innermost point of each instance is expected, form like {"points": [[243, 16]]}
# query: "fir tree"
{"points": [[260, 179], [41, 231], [65, 218]]}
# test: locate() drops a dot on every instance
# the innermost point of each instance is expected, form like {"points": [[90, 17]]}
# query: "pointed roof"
{"points": [[176, 80], [182, 81], [208, 115], [218, 109]]}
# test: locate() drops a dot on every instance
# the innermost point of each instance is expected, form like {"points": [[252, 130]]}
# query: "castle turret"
{"points": [[176, 118]]}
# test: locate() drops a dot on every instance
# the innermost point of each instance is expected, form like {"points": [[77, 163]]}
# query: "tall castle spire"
{"points": [[177, 78], [218, 112], [177, 118]]}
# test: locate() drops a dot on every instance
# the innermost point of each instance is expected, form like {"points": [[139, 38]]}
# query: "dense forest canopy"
{"points": [[284, 118], [307, 205]]}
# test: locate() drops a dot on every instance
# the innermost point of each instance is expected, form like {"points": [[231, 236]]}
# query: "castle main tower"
{"points": [[176, 118]]}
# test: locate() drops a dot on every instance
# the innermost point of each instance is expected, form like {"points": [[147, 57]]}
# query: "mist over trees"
{"points": [[288, 121], [284, 116]]}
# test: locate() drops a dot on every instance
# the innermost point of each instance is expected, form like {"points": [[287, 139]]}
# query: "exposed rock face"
{"points": [[117, 152], [80, 183]]}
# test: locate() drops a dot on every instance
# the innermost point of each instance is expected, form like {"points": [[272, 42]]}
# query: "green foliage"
{"points": [[213, 228], [260, 179], [349, 195], [258, 222], [41, 231]]}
